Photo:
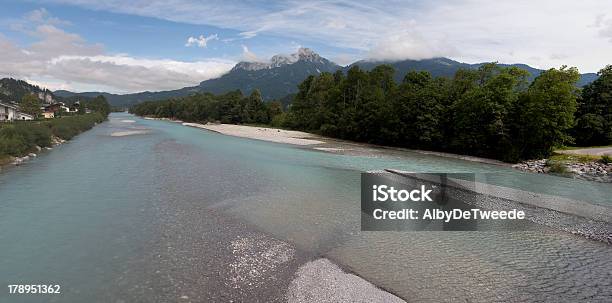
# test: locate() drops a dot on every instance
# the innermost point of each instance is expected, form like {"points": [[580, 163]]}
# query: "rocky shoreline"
{"points": [[589, 171], [55, 141]]}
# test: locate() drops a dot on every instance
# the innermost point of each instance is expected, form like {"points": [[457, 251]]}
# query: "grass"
{"points": [[5, 159], [556, 167], [606, 159], [580, 147], [573, 158]]}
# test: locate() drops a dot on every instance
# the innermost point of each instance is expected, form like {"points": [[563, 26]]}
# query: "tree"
{"points": [[255, 109], [594, 115], [481, 108], [30, 105], [97, 104], [545, 112], [421, 110], [274, 109]]}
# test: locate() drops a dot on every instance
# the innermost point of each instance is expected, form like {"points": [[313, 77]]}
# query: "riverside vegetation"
{"points": [[492, 112], [20, 138]]}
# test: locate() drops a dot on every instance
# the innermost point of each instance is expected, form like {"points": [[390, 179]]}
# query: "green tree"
{"points": [[274, 108], [255, 109], [30, 105], [594, 114], [422, 110], [481, 109], [545, 112]]}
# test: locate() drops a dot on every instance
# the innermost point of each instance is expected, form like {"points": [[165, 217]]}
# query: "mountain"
{"points": [[444, 67], [280, 76], [275, 79], [12, 90]]}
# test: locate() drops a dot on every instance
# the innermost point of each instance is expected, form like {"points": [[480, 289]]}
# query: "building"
{"points": [[64, 108], [48, 115], [8, 112], [54, 108], [24, 116]]}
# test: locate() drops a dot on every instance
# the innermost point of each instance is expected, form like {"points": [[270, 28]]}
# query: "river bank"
{"points": [[572, 168], [321, 143], [21, 141]]}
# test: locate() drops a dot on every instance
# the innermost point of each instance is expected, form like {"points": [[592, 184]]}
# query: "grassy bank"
{"points": [[20, 138]]}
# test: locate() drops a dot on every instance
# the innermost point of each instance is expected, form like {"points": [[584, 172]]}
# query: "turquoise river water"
{"points": [[83, 214]]}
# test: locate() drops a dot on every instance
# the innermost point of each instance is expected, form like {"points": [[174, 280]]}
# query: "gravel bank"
{"points": [[322, 281], [262, 133]]}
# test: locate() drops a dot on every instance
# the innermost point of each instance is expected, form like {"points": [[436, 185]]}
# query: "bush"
{"points": [[19, 138], [35, 133], [606, 159], [279, 120], [556, 167], [68, 127]]}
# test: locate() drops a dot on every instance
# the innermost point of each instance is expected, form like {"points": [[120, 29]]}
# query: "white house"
{"points": [[8, 112], [24, 116]]}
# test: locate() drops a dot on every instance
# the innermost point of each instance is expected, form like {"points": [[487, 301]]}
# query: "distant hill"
{"points": [[444, 67], [12, 90], [130, 99], [281, 75]]}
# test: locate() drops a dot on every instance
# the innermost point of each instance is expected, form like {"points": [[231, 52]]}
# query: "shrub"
{"points": [[556, 167], [606, 159], [279, 120], [19, 138]]}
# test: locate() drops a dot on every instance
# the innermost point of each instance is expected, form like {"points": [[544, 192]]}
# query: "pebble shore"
{"points": [[590, 171]]}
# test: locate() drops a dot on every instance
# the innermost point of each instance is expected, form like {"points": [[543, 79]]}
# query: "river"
{"points": [[142, 210]]}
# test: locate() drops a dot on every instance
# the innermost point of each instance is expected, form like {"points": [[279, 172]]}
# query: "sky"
{"points": [[150, 45]]}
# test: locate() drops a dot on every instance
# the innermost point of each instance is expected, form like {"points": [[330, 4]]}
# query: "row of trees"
{"points": [[492, 112], [232, 107]]}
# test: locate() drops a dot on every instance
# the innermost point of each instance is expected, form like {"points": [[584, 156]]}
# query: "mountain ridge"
{"points": [[281, 74]]}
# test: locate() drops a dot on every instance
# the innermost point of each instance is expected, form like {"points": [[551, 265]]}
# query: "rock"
{"points": [[590, 171]]}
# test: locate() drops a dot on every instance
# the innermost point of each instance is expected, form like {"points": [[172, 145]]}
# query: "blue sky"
{"points": [[129, 46]]}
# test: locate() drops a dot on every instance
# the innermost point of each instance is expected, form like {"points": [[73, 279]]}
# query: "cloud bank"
{"points": [[61, 60], [542, 33]]}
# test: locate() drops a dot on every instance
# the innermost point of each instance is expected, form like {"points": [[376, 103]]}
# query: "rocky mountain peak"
{"points": [[302, 54], [306, 54]]}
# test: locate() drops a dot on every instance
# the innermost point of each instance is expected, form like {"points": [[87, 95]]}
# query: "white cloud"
{"points": [[248, 55], [408, 44], [201, 41], [527, 31], [248, 35], [604, 25], [62, 60]]}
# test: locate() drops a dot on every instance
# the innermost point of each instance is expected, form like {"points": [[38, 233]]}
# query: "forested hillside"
{"points": [[14, 90]]}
